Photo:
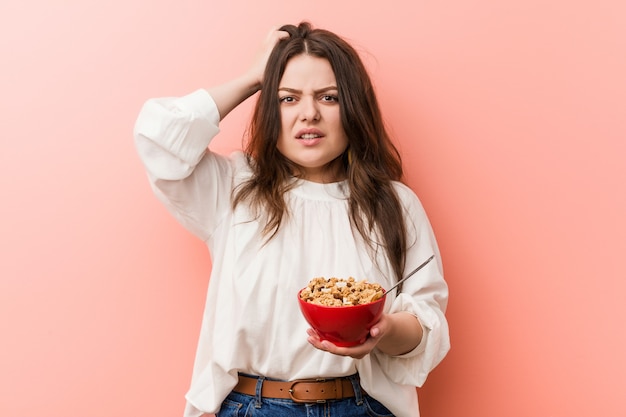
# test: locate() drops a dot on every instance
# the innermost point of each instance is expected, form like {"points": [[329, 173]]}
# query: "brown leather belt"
{"points": [[300, 390]]}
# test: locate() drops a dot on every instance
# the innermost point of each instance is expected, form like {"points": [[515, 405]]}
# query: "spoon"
{"points": [[410, 274]]}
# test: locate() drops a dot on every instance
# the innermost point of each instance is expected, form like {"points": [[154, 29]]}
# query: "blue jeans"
{"points": [[362, 405]]}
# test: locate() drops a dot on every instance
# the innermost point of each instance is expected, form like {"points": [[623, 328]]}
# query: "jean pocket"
{"points": [[229, 408], [375, 408]]}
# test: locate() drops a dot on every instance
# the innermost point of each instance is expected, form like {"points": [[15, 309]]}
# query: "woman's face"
{"points": [[311, 134]]}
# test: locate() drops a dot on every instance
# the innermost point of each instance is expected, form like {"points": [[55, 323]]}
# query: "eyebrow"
{"points": [[295, 91]]}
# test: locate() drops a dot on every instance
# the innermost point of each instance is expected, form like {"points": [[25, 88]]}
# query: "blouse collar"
{"points": [[320, 191]]}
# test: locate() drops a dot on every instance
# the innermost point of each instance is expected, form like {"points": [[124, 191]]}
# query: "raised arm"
{"points": [[229, 95], [172, 136]]}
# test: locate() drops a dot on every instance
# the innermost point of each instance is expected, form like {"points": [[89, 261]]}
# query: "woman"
{"points": [[316, 192]]}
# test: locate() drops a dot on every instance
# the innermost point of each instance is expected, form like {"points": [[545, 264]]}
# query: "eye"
{"points": [[286, 99], [329, 98]]}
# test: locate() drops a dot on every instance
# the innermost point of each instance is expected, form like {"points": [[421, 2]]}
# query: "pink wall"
{"points": [[511, 117]]}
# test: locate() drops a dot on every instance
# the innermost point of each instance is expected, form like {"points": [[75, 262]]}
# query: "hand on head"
{"points": [[257, 68]]}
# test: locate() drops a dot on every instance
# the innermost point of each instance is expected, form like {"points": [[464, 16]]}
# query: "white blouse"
{"points": [[252, 322]]}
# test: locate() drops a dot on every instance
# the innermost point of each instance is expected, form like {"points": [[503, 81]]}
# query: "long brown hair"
{"points": [[370, 163]]}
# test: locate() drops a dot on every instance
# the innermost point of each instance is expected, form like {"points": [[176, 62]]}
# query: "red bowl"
{"points": [[343, 325]]}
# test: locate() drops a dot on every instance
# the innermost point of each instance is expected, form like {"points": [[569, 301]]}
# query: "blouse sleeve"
{"points": [[172, 136], [424, 295]]}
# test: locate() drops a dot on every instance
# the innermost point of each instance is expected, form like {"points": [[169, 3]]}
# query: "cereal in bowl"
{"points": [[336, 292]]}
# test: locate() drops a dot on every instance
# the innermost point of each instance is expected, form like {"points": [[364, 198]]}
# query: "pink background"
{"points": [[511, 119]]}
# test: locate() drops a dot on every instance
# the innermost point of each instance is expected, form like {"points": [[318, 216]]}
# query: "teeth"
{"points": [[309, 136]]}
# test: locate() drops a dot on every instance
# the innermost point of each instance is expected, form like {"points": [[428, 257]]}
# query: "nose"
{"points": [[309, 110]]}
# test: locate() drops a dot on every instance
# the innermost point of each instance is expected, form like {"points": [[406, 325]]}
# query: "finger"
{"points": [[282, 34], [313, 336], [275, 34], [315, 339], [356, 352]]}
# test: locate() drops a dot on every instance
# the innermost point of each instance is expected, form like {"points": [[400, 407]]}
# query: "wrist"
{"points": [[404, 333], [251, 82]]}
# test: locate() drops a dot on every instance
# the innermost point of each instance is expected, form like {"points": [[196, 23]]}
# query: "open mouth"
{"points": [[309, 136]]}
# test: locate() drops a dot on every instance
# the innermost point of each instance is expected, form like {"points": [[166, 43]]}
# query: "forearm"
{"points": [[229, 95], [404, 334]]}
